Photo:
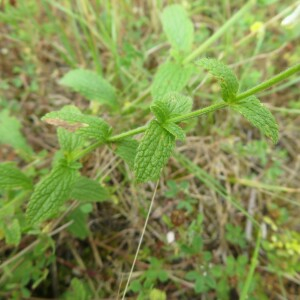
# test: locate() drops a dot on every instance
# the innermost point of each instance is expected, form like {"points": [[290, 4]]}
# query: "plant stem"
{"points": [[121, 136], [281, 76], [254, 261], [178, 119], [219, 33], [87, 150], [199, 112], [141, 129]]}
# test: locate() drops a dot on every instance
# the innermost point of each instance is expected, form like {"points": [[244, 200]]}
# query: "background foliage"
{"points": [[111, 59]]}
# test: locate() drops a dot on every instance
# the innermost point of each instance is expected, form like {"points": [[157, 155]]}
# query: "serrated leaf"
{"points": [[153, 152], [172, 105], [160, 112], [226, 78], [126, 149], [170, 77], [74, 121], [90, 85], [12, 232], [10, 133], [258, 115], [175, 130], [51, 192], [12, 177], [178, 27], [69, 141], [88, 190]]}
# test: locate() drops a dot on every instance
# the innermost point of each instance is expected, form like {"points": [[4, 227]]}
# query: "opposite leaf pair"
{"points": [[250, 107], [159, 139], [156, 146], [61, 184]]}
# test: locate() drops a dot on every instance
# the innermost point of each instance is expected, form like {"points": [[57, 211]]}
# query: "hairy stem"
{"points": [[87, 150], [178, 119], [199, 112], [260, 87], [265, 85], [121, 136]]}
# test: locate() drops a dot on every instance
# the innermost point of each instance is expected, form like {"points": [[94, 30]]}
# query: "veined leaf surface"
{"points": [[73, 120], [90, 85], [127, 149], [88, 190], [153, 152], [51, 193], [226, 78], [170, 77], [258, 115], [175, 130], [178, 27], [69, 141], [12, 177], [170, 106]]}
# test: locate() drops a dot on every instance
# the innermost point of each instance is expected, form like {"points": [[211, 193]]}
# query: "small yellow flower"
{"points": [[257, 26]]}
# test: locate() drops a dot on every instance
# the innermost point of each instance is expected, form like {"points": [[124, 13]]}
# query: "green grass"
{"points": [[86, 250]]}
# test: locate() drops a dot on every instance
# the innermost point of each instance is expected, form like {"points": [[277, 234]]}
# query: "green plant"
{"points": [[235, 235], [154, 274], [79, 134], [157, 144]]}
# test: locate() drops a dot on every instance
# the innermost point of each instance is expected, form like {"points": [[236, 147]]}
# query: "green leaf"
{"points": [[217, 271], [153, 152], [162, 275], [77, 291], [51, 193], [10, 133], [258, 115], [88, 190], [230, 266], [90, 85], [227, 79], [12, 232], [159, 112], [175, 130], [79, 228], [200, 285], [126, 149], [156, 294], [69, 142], [192, 275], [170, 77], [135, 286], [210, 282], [12, 177], [170, 106], [72, 119], [178, 27]]}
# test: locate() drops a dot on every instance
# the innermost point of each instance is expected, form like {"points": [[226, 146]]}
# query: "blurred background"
{"points": [[200, 240]]}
